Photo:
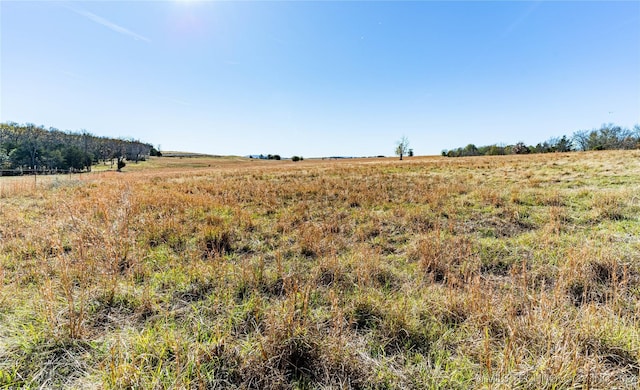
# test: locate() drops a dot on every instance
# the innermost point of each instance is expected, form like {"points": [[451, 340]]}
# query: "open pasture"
{"points": [[488, 272]]}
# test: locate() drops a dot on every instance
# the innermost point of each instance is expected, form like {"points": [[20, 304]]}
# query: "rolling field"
{"points": [[484, 272]]}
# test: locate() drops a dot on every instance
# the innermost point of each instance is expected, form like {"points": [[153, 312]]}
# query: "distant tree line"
{"points": [[267, 157], [35, 149], [607, 137]]}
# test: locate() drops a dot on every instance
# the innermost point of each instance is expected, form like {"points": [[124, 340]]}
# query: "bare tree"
{"points": [[402, 147], [581, 139]]}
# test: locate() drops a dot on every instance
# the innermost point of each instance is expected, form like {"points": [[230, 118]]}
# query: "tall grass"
{"points": [[491, 272]]}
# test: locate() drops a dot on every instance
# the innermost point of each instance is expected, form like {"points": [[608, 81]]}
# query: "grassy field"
{"points": [[492, 272]]}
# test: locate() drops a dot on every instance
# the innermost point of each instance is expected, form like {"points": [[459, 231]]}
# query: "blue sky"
{"points": [[320, 78]]}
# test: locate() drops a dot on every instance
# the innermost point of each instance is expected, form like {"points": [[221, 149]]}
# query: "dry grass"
{"points": [[489, 272]]}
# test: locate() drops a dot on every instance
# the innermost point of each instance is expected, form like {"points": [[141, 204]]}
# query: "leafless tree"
{"points": [[402, 147]]}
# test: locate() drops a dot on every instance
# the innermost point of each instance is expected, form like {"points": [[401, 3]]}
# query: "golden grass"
{"points": [[484, 272]]}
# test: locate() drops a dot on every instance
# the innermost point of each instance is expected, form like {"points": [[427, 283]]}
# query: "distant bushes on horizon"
{"points": [[607, 137]]}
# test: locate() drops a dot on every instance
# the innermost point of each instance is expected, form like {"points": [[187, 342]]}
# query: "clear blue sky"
{"points": [[320, 78]]}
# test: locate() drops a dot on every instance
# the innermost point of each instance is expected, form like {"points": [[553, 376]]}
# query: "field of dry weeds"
{"points": [[492, 272]]}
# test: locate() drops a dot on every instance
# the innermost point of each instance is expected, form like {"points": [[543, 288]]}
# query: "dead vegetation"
{"points": [[491, 272]]}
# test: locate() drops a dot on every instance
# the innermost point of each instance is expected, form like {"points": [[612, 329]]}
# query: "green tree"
{"points": [[495, 150], [21, 156], [54, 159], [74, 158], [5, 162], [470, 150], [564, 144]]}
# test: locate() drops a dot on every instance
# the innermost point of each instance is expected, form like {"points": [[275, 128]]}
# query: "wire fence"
{"points": [[27, 182], [39, 172]]}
